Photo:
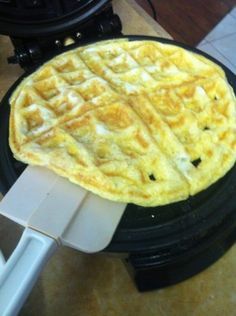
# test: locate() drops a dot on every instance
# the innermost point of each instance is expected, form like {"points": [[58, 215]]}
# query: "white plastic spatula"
{"points": [[55, 212]]}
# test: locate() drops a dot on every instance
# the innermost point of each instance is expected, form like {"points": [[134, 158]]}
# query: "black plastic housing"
{"points": [[33, 18]]}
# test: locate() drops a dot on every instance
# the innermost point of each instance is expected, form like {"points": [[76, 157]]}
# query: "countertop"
{"points": [[73, 283]]}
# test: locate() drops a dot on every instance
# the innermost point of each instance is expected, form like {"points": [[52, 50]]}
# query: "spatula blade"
{"points": [[62, 210]]}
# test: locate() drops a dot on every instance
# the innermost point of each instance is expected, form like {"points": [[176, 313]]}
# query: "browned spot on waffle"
{"points": [[34, 119], [141, 140], [177, 121], [115, 116], [209, 153]]}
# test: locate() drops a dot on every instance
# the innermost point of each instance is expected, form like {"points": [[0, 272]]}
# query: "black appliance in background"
{"points": [[38, 27], [160, 245]]}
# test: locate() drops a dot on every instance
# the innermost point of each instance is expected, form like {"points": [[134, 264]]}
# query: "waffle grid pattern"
{"points": [[93, 101]]}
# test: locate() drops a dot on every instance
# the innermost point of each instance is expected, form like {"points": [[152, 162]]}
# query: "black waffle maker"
{"points": [[159, 245]]}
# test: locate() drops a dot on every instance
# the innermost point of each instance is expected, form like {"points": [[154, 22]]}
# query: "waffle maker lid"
{"points": [[32, 18], [39, 26], [159, 236]]}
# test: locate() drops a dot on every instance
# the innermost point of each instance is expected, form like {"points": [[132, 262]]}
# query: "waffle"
{"points": [[134, 121]]}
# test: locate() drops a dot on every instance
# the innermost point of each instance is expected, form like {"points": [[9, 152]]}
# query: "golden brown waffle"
{"points": [[139, 122]]}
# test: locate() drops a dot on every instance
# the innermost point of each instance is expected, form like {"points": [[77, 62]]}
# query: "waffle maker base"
{"points": [[160, 245]]}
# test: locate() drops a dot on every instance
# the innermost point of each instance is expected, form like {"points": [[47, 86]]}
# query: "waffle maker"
{"points": [[160, 246]]}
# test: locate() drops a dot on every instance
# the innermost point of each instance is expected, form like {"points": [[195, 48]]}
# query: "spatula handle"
{"points": [[22, 269]]}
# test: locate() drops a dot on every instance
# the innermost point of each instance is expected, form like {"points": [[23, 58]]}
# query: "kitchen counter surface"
{"points": [[87, 285]]}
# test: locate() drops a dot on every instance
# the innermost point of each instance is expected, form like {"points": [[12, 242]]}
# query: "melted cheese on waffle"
{"points": [[132, 121]]}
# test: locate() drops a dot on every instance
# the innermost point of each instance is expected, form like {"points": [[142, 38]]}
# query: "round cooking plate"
{"points": [[148, 229]]}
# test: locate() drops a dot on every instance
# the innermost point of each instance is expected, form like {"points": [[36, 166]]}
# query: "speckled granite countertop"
{"points": [[87, 285]]}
